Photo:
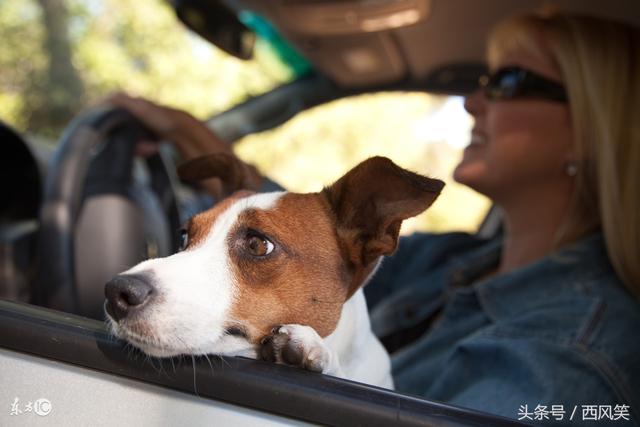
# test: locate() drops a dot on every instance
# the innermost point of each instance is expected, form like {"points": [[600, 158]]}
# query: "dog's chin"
{"points": [[226, 345], [142, 343], [153, 350]]}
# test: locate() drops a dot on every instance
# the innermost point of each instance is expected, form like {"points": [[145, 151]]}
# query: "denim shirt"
{"points": [[555, 339]]}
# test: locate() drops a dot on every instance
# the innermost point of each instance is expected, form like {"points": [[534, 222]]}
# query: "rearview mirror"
{"points": [[217, 24]]}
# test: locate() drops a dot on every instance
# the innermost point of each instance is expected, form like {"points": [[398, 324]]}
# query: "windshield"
{"points": [[66, 55], [422, 132]]}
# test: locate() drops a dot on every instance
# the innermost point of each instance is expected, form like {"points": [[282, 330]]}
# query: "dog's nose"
{"points": [[126, 293]]}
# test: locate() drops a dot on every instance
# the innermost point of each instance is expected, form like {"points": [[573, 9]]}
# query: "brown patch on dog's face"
{"points": [[199, 226], [301, 281]]}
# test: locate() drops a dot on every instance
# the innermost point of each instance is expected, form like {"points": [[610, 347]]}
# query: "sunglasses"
{"points": [[516, 82]]}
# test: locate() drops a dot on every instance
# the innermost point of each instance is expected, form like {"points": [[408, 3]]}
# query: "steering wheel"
{"points": [[103, 211]]}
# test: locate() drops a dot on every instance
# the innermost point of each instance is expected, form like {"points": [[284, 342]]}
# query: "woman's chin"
{"points": [[469, 173]]}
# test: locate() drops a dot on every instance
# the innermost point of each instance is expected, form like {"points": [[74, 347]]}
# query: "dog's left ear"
{"points": [[371, 201], [232, 173]]}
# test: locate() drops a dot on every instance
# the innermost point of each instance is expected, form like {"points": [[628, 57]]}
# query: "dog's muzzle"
{"points": [[126, 294]]}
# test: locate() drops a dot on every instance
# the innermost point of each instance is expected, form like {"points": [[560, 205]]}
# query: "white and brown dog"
{"points": [[276, 276]]}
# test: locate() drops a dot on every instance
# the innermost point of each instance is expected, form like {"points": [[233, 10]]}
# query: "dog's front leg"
{"points": [[300, 345]]}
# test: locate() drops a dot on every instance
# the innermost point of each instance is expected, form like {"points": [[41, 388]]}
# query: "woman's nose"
{"points": [[475, 103]]}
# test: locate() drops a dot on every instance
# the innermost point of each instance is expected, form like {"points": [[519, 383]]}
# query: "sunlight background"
{"points": [[420, 132]]}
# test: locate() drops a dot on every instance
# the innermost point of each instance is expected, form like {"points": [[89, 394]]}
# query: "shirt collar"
{"points": [[561, 273]]}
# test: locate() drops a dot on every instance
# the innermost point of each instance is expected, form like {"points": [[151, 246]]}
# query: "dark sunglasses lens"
{"points": [[504, 84], [515, 82]]}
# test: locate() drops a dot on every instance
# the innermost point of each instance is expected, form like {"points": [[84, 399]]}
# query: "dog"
{"points": [[275, 276]]}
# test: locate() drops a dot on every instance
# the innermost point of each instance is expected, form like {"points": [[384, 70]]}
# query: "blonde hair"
{"points": [[600, 63]]}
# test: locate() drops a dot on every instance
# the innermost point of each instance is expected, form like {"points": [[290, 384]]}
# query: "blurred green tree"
{"points": [[21, 60], [59, 79], [64, 55]]}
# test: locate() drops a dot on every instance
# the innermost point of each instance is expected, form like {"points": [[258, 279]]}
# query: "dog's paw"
{"points": [[297, 345]]}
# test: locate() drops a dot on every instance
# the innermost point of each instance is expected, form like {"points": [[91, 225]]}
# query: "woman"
{"points": [[537, 324], [544, 316]]}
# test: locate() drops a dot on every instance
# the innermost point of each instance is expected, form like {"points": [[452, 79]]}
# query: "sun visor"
{"points": [[341, 17]]}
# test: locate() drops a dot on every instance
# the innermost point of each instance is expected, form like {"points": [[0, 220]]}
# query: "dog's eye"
{"points": [[258, 245], [184, 239]]}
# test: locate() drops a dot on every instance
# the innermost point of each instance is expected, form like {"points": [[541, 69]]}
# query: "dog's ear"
{"points": [[371, 201], [230, 173]]}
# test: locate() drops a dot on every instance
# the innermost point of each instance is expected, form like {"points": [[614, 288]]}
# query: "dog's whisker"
{"points": [[159, 368], [162, 370], [209, 360], [149, 360], [130, 351], [195, 385], [221, 358], [224, 361]]}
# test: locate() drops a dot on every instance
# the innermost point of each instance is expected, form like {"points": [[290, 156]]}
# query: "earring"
{"points": [[571, 168]]}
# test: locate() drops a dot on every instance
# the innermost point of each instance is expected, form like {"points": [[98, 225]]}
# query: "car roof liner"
{"points": [[365, 44]]}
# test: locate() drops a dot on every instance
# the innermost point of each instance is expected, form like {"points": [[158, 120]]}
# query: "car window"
{"points": [[69, 54], [422, 132]]}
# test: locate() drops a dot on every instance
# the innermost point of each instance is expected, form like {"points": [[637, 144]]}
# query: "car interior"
{"points": [[91, 199]]}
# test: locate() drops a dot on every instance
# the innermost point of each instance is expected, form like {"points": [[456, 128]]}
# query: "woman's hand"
{"points": [[190, 136]]}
